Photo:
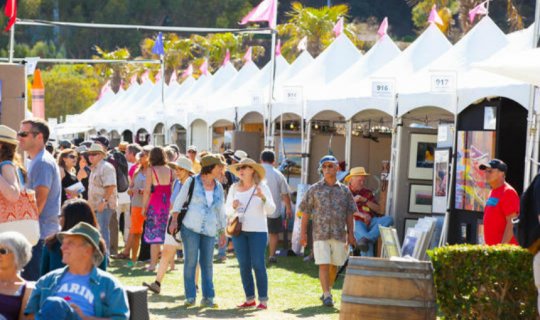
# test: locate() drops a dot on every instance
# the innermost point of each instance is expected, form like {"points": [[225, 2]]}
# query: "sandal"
{"points": [[247, 304]]}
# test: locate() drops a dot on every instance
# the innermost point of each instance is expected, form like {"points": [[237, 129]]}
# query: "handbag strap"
{"points": [[190, 193], [250, 197]]}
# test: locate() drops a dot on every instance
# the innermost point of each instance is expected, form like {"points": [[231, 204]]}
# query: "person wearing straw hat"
{"points": [[102, 194], [10, 162], [183, 171], [332, 207], [43, 177], [204, 220], [367, 220], [79, 290], [251, 200]]}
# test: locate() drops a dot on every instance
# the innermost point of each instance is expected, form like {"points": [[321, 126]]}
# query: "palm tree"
{"points": [[315, 23]]}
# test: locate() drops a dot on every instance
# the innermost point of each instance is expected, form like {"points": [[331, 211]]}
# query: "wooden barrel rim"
{"points": [[388, 274], [402, 265], [388, 302]]}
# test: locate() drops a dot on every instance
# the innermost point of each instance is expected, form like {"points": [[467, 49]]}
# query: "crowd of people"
{"points": [[168, 206]]}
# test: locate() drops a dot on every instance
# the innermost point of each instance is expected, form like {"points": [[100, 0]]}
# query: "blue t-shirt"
{"points": [[76, 289], [177, 186], [43, 171]]}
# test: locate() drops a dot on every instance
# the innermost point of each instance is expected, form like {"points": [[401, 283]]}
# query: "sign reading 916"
{"points": [[383, 89]]}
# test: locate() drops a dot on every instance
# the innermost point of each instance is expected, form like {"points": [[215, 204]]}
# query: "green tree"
{"points": [[114, 71], [315, 23], [69, 89]]}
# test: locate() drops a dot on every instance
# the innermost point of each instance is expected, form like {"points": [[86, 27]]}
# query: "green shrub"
{"points": [[484, 282]]}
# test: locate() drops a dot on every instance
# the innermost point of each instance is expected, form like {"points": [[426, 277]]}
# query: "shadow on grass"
{"points": [[183, 312], [311, 311], [296, 265]]}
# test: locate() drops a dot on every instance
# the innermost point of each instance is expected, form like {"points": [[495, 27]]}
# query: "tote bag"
{"points": [[21, 215]]}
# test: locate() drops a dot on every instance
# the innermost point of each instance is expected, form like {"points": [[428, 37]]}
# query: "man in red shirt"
{"points": [[501, 206], [367, 220]]}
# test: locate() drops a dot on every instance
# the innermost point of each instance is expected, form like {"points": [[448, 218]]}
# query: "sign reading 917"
{"points": [[443, 82]]}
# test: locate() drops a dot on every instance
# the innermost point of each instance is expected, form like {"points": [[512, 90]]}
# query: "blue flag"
{"points": [[158, 45]]}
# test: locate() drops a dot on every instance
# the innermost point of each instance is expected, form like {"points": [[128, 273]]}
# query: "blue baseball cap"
{"points": [[328, 158]]}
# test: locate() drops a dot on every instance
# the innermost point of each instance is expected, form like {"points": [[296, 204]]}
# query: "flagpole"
{"points": [[11, 43], [269, 135], [162, 59]]}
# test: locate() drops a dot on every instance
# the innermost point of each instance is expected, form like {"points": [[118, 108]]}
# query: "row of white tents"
{"points": [[341, 79]]}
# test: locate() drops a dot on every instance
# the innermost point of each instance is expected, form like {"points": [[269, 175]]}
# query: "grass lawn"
{"points": [[294, 292]]}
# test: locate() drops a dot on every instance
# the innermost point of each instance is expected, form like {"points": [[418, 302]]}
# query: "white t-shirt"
{"points": [[253, 216], [209, 196]]}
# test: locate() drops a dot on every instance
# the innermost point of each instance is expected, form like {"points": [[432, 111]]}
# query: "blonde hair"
{"points": [[256, 178]]}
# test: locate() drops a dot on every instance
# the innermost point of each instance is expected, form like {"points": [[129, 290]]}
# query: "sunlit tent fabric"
{"points": [[481, 42], [334, 96], [330, 64]]}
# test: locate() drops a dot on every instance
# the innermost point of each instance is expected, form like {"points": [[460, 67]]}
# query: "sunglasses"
{"points": [[241, 168], [4, 251], [92, 154], [71, 156], [24, 134], [328, 166]]}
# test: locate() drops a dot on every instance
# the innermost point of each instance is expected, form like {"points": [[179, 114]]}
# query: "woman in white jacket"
{"points": [[251, 200]]}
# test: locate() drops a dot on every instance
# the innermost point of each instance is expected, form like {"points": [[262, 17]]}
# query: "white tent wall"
{"points": [[178, 136], [199, 134]]}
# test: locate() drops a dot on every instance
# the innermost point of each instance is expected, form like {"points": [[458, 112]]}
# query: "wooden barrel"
{"points": [[384, 289]]}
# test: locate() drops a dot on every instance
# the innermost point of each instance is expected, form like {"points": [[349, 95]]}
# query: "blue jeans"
{"points": [[372, 232], [103, 219], [249, 248], [222, 251], [198, 248], [31, 270]]}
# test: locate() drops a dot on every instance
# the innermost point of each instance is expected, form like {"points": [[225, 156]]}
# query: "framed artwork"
{"points": [[420, 198], [441, 178], [490, 118], [422, 156], [473, 148], [409, 223]]}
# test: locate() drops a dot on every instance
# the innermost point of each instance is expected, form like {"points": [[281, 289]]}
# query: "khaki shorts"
{"points": [[330, 252]]}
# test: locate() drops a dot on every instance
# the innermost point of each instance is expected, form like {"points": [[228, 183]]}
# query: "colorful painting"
{"points": [[421, 156], [473, 148], [420, 198], [440, 180]]}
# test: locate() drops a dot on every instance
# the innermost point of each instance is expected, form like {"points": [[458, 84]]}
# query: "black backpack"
{"points": [[118, 160], [527, 228]]}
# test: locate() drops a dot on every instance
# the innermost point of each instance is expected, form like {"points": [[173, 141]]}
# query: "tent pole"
{"points": [[530, 147], [348, 143], [397, 125], [162, 61], [536, 140], [11, 43], [308, 151]]}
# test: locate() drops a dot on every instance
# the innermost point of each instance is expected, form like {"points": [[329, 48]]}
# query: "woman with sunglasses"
{"points": [[15, 252], [67, 160], [251, 200], [83, 169], [73, 212]]}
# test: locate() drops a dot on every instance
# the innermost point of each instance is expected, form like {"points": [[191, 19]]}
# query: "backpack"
{"points": [[527, 228], [119, 162]]}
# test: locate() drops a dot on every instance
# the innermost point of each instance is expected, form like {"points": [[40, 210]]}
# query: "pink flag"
{"points": [[265, 11], [173, 78], [227, 57], [188, 72], [338, 28], [204, 67], [278, 47], [133, 80], [302, 45], [145, 76], [106, 87], [247, 56], [479, 9], [383, 28], [434, 16], [158, 76]]}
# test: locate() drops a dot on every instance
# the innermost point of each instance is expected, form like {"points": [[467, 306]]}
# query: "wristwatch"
{"points": [[104, 200]]}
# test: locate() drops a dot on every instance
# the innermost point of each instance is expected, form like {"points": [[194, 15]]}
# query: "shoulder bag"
{"points": [[234, 227], [21, 215], [182, 214]]}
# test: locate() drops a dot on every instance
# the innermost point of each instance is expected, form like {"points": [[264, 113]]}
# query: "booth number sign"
{"points": [[293, 95], [382, 88], [443, 83]]}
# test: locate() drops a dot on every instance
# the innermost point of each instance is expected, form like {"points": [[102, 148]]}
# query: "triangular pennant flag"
{"points": [[133, 80], [204, 67], [10, 10], [434, 16], [383, 28], [173, 78], [158, 45], [188, 72], [302, 45], [145, 76], [278, 47], [479, 9], [106, 87], [248, 56], [227, 57], [265, 11], [338, 28]]}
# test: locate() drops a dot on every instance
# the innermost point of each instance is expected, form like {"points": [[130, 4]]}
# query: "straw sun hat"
{"points": [[250, 163], [182, 163], [8, 135], [355, 172]]}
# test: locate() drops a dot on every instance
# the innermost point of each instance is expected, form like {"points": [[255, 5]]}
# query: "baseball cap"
{"points": [[494, 164], [328, 158], [65, 144], [192, 148], [102, 140]]}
